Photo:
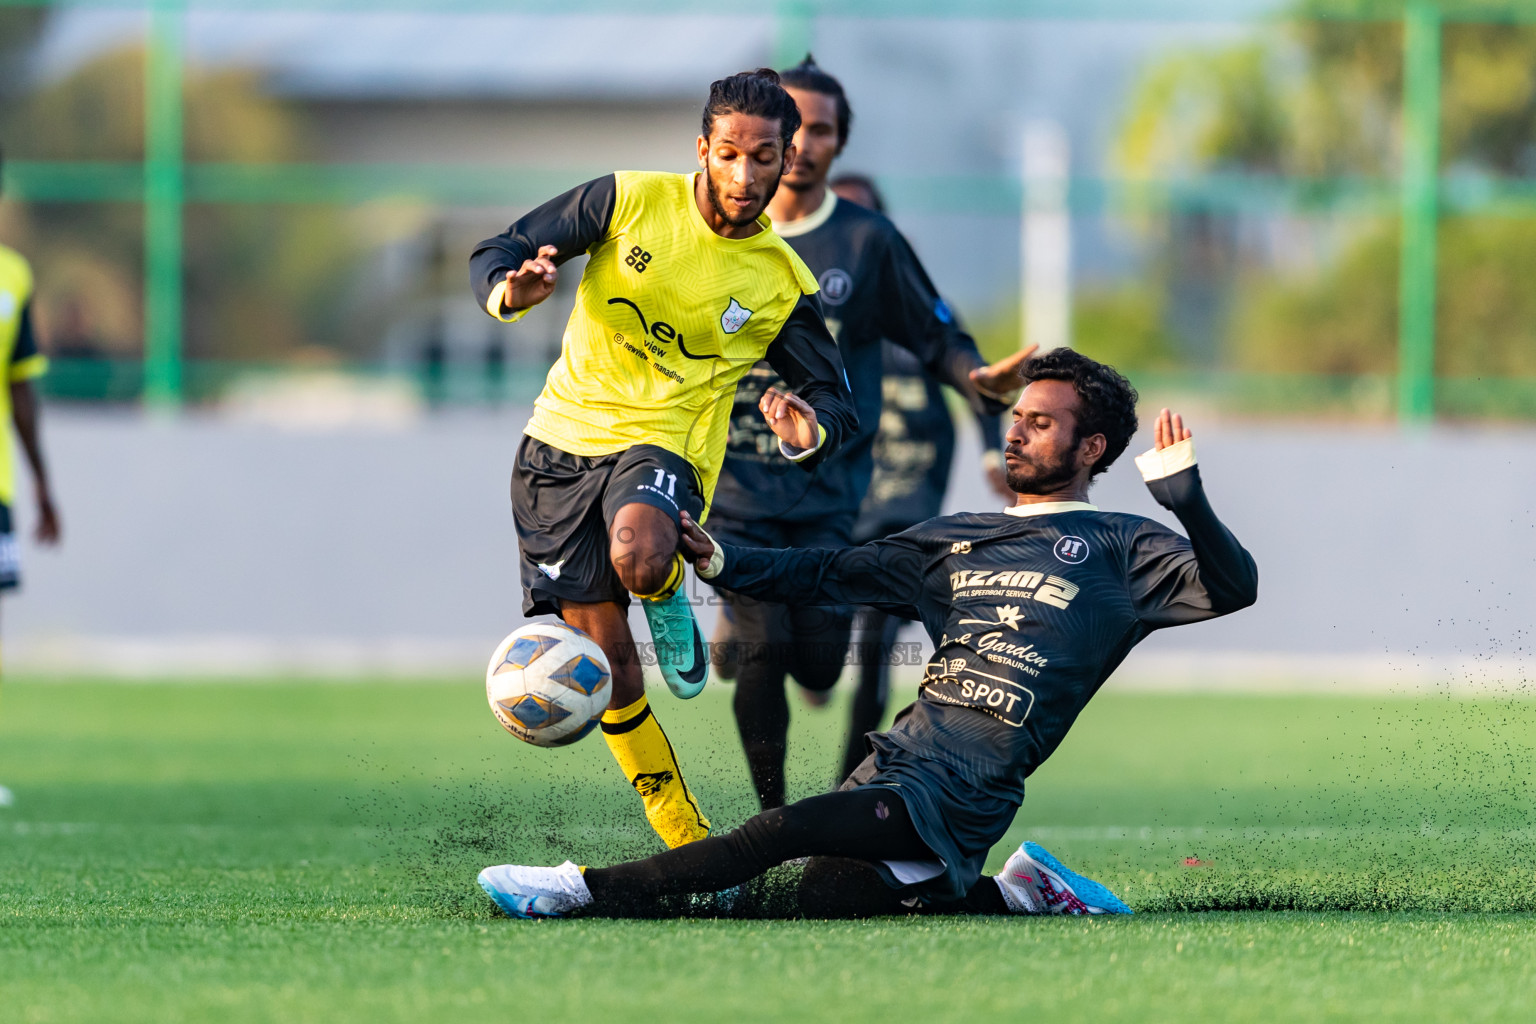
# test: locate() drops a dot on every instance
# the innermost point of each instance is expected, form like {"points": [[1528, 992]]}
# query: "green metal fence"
{"points": [[165, 182]]}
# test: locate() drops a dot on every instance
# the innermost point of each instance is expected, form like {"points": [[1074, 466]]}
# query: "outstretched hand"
{"points": [[791, 418], [1169, 430], [1001, 378], [534, 281], [695, 543]]}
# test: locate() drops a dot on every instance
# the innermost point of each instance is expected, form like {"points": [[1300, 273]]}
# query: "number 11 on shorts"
{"points": [[670, 479]]}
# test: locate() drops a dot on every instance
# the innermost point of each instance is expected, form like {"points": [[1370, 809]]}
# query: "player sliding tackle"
{"points": [[1030, 609]]}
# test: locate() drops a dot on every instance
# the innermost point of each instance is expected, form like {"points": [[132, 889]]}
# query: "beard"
{"points": [[737, 220], [1033, 475]]}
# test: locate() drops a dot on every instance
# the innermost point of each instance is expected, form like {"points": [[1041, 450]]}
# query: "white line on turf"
{"points": [[1176, 833]]}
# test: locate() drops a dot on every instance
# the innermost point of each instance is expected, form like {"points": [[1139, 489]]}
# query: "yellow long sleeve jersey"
{"points": [[669, 316]]}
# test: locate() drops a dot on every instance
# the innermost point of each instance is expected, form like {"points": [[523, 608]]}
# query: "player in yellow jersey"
{"points": [[686, 289], [18, 402]]}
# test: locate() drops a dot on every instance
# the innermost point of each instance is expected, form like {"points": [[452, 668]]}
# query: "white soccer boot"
{"points": [[1034, 882], [536, 892]]}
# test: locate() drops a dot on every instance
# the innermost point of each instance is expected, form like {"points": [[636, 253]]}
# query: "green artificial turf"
{"points": [[307, 852]]}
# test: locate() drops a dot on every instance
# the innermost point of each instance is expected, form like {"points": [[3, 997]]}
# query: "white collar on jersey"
{"points": [[1045, 508], [805, 225]]}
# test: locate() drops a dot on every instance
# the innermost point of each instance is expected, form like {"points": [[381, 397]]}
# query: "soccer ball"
{"points": [[548, 684]]}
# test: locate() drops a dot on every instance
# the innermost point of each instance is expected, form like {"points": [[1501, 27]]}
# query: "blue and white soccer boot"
{"points": [[678, 642], [1034, 882], [536, 892]]}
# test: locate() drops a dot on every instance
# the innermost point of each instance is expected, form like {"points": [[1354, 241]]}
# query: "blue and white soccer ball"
{"points": [[548, 684]]}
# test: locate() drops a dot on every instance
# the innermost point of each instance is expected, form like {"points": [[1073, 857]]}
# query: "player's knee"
{"points": [[818, 675], [818, 663], [820, 647], [640, 574], [644, 563], [643, 548]]}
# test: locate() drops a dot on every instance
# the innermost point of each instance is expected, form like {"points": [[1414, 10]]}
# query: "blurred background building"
{"points": [[283, 428]]}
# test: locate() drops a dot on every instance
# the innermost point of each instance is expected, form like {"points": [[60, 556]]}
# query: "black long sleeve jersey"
{"points": [[873, 287], [669, 316], [1029, 613]]}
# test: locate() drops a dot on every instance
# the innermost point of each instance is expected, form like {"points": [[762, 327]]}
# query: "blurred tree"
{"points": [[261, 282], [1322, 99], [20, 28]]}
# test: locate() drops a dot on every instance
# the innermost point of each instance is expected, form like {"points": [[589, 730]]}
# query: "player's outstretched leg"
{"points": [[868, 823], [1034, 882]]}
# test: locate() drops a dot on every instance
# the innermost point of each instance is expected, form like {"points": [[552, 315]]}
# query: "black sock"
{"points": [[876, 639], [762, 719]]}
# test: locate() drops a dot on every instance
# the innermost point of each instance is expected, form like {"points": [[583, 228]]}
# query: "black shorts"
{"points": [[563, 505], [957, 821], [10, 552]]}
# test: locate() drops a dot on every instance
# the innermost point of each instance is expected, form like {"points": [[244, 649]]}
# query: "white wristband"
{"points": [[1163, 462], [716, 558]]}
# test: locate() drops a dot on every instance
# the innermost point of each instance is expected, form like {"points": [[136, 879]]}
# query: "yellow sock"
{"points": [[674, 580], [647, 761]]}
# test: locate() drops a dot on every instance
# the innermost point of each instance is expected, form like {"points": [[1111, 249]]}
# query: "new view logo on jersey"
{"points": [[659, 333]]}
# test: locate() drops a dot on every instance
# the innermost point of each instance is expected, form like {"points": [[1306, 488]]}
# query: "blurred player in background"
{"points": [[23, 362], [872, 287], [686, 289], [1030, 609], [912, 455]]}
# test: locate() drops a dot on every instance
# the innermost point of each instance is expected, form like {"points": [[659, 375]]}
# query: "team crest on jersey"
{"points": [[1071, 550], [734, 317], [836, 286]]}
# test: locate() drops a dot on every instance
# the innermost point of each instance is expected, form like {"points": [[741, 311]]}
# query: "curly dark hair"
{"points": [[808, 75], [757, 93], [1106, 400]]}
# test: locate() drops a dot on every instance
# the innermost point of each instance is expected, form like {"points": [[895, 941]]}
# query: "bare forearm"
{"points": [[24, 415]]}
